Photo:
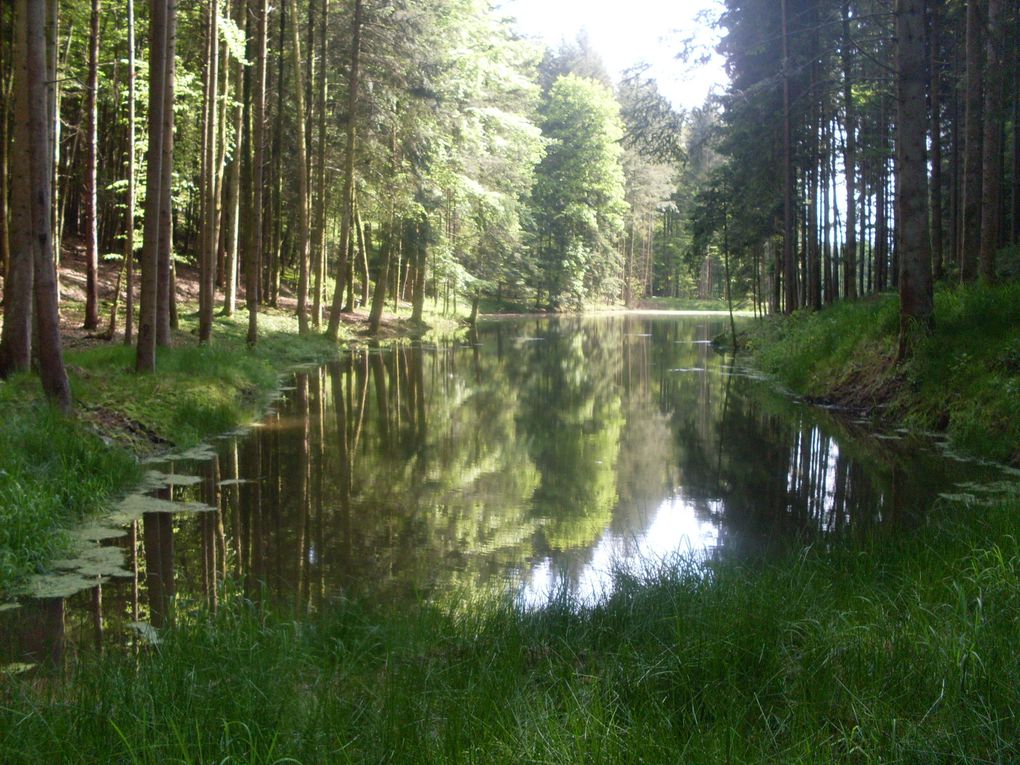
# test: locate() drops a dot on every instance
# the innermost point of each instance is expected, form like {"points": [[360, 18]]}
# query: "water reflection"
{"points": [[539, 455]]}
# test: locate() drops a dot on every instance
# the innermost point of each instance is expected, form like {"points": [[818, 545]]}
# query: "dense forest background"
{"points": [[355, 154]]}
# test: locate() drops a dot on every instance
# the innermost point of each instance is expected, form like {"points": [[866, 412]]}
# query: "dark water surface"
{"points": [[541, 457]]}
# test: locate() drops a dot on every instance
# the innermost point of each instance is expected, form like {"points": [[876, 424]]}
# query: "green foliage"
{"points": [[579, 198]]}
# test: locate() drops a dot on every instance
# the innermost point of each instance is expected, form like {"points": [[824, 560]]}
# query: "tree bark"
{"points": [[16, 338], [333, 329], [233, 204], [319, 261], [253, 266], [849, 162], [991, 180], [129, 230], [935, 11], [91, 162], [145, 357], [789, 217], [970, 244], [166, 295], [210, 231], [6, 51], [915, 284], [302, 146]]}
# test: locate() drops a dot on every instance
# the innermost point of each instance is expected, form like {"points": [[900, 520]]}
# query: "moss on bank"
{"points": [[963, 380], [55, 471]]}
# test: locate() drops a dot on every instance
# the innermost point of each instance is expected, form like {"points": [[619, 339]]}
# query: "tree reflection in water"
{"points": [[541, 455]]}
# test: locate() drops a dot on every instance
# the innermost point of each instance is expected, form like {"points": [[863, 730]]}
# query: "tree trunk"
{"points": [[16, 339], [849, 162], [210, 232], [991, 181], [421, 229], [915, 285], [789, 229], [333, 329], [970, 244], [935, 10], [129, 232], [6, 51], [145, 359], [302, 161], [53, 106], [91, 160], [253, 266], [233, 206], [319, 260], [166, 295]]}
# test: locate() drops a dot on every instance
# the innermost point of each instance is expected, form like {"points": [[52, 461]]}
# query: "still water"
{"points": [[540, 457]]}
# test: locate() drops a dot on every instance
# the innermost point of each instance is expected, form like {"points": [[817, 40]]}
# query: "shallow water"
{"points": [[542, 457]]}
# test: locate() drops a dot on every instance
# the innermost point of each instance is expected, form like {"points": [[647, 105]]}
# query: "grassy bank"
{"points": [[964, 379], [54, 471], [904, 652]]}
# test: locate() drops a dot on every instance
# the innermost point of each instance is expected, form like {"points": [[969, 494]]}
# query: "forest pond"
{"points": [[541, 457]]}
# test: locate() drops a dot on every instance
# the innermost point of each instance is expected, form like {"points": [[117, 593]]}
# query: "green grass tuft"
{"points": [[53, 473]]}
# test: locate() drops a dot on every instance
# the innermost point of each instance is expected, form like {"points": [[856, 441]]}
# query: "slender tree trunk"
{"points": [[970, 244], [849, 162], [935, 11], [16, 338], [167, 295], [915, 284], [359, 228], [302, 160], [319, 261], [420, 256], [789, 213], [210, 237], [53, 104], [991, 180], [6, 53], [145, 360], [253, 266], [333, 329], [129, 232], [233, 206], [91, 162]]}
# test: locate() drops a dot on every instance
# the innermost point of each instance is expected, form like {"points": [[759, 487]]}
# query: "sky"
{"points": [[628, 32]]}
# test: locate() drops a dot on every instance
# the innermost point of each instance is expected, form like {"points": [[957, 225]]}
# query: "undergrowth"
{"points": [[964, 379]]}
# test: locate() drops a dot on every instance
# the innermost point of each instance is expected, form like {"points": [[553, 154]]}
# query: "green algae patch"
{"points": [[134, 506], [156, 480], [95, 562], [59, 585], [96, 532]]}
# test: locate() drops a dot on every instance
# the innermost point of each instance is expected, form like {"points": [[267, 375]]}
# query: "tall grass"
{"points": [[964, 379], [903, 652], [52, 473]]}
